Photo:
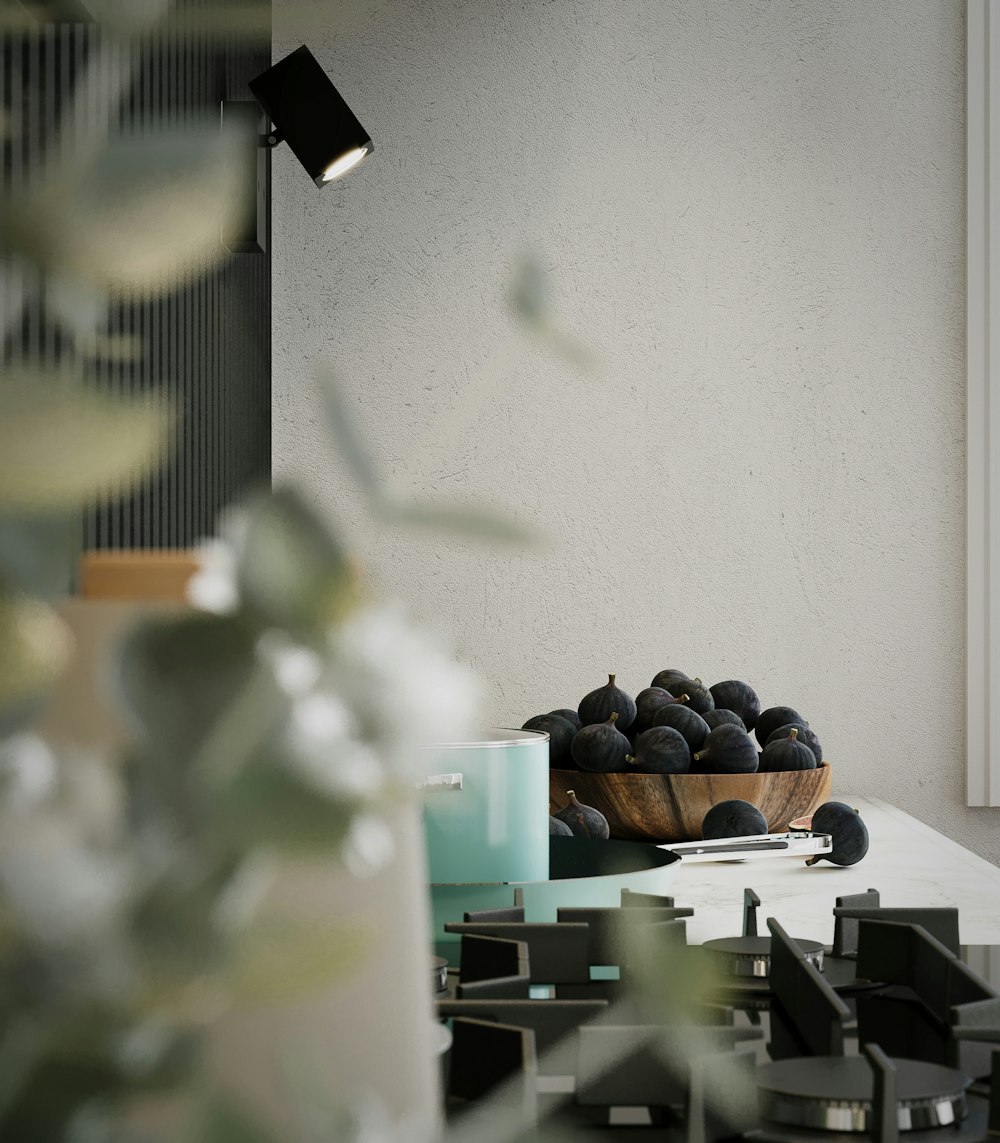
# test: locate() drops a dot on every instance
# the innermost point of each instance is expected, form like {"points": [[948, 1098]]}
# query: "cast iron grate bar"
{"points": [[512, 915], [751, 903], [550, 1020], [815, 1013], [845, 927], [942, 924], [610, 929], [493, 968], [557, 953], [485, 1054], [907, 954], [629, 898], [885, 1109]]}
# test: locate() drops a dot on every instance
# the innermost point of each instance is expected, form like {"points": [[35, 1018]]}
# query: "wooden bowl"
{"points": [[671, 807]]}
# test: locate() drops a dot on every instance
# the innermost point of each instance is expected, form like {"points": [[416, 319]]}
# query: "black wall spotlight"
{"points": [[308, 113]]}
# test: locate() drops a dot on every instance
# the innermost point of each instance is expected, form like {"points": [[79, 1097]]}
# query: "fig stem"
{"points": [[701, 754], [793, 734], [613, 717], [684, 698]]}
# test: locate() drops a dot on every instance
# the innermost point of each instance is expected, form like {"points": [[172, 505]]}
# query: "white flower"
{"points": [[214, 586], [369, 845], [404, 685], [60, 890], [297, 669], [28, 772], [325, 750]]}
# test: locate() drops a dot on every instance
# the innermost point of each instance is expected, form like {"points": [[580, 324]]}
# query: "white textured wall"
{"points": [[754, 211]]}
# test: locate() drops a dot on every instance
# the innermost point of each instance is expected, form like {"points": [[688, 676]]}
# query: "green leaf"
{"points": [[221, 1121], [527, 292], [250, 20], [291, 569], [353, 449], [530, 304], [38, 553], [266, 804], [177, 676], [62, 444], [461, 519], [140, 214], [175, 927]]}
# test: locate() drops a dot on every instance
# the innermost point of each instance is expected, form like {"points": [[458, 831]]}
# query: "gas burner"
{"points": [[439, 975], [751, 956], [836, 1094]]}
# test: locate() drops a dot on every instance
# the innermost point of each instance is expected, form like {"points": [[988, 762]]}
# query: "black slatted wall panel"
{"points": [[204, 348]]}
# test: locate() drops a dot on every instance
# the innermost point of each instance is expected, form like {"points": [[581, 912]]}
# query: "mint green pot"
{"points": [[492, 825]]}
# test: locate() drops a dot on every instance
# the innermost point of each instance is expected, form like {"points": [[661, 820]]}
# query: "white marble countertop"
{"points": [[908, 862]]}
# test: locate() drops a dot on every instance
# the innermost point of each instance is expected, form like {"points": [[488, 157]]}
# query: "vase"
{"points": [[366, 1040]]}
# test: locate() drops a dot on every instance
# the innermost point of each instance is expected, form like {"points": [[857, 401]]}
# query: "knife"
{"points": [[796, 844]]}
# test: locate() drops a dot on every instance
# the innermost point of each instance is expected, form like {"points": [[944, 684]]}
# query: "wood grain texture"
{"points": [[159, 575], [671, 807]]}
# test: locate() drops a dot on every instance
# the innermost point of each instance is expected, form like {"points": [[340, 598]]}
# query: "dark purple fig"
{"points": [[806, 735], [718, 716], [601, 747], [660, 750], [558, 828], [727, 750], [847, 831], [647, 703], [665, 679], [769, 720], [584, 821], [561, 734], [694, 694], [570, 715], [740, 698], [605, 701], [787, 753], [734, 818], [694, 728]]}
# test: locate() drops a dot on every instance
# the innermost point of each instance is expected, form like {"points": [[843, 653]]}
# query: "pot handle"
{"points": [[441, 784]]}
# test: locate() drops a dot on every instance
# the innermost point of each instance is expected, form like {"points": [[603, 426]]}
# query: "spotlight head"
{"points": [[309, 114]]}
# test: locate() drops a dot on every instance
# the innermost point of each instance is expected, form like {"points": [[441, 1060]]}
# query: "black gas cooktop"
{"points": [[884, 1034]]}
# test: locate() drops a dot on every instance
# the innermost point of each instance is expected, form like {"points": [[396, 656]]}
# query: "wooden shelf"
{"points": [[156, 575]]}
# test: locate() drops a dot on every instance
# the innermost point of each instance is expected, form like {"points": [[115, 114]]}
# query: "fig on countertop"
{"points": [[740, 698], [660, 750], [787, 753], [727, 750], [601, 747], [609, 699], [734, 818], [847, 831], [584, 821]]}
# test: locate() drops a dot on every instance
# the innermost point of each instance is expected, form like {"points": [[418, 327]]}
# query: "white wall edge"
{"points": [[982, 630]]}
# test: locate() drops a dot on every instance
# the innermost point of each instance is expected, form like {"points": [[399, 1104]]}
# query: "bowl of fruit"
{"points": [[655, 764]]}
